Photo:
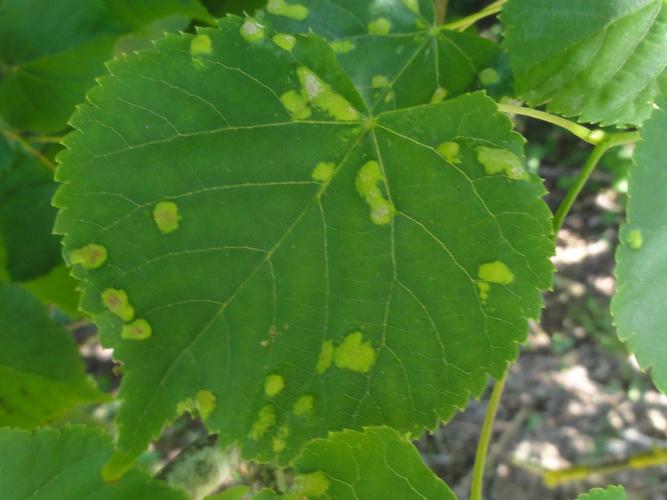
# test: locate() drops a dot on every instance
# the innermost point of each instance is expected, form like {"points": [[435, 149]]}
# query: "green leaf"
{"points": [[41, 374], [26, 218], [51, 464], [322, 273], [392, 50], [375, 463], [610, 493], [641, 271], [58, 288], [599, 60], [51, 51]]}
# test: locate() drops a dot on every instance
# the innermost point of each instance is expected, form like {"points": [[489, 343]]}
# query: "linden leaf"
{"points": [[641, 271], [50, 464], [26, 218], [41, 374], [392, 50], [51, 51], [609, 493], [375, 463], [600, 60], [303, 298]]}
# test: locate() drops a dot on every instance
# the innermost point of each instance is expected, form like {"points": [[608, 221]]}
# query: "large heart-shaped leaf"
{"points": [[257, 245], [41, 374], [641, 271], [393, 50], [600, 60], [375, 463], [51, 464]]}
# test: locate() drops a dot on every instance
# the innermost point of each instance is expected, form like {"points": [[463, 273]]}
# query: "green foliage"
{"points": [[41, 375], [641, 272], [371, 274], [600, 60], [51, 51], [609, 493], [411, 62], [64, 464], [375, 463]]}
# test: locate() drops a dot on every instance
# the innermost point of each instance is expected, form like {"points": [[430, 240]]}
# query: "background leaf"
{"points": [[41, 374], [307, 275], [600, 60], [51, 51], [51, 464], [392, 50], [375, 463], [609, 493], [641, 270]]}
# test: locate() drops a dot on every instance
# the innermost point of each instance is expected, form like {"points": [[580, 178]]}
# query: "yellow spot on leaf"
{"points": [[368, 182], [355, 354], [342, 46], [381, 26], [635, 239], [282, 8], [484, 290], [205, 403], [166, 216], [439, 95], [323, 171], [90, 256], [495, 272], [117, 302], [320, 95], [296, 105], [304, 405], [325, 358], [252, 31], [266, 420], [312, 485], [501, 161], [450, 150], [285, 42], [413, 5], [380, 81], [279, 440], [139, 329], [201, 45], [274, 384], [489, 76]]}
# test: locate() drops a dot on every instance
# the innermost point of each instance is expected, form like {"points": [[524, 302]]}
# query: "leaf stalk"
{"points": [[465, 23]]}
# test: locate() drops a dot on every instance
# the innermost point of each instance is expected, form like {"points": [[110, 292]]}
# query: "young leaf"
{"points": [[51, 464], [641, 271], [41, 374], [609, 493], [287, 277], [392, 50], [51, 51], [600, 60], [375, 463]]}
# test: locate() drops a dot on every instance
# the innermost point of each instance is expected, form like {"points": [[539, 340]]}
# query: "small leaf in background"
{"points": [[392, 50], [602, 61], [298, 276], [41, 374], [51, 52], [50, 464], [609, 493], [375, 463], [641, 271]]}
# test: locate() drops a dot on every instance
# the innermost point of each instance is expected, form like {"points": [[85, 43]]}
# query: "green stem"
{"points": [[594, 137], [477, 487], [464, 23], [27, 147], [441, 11], [609, 141]]}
